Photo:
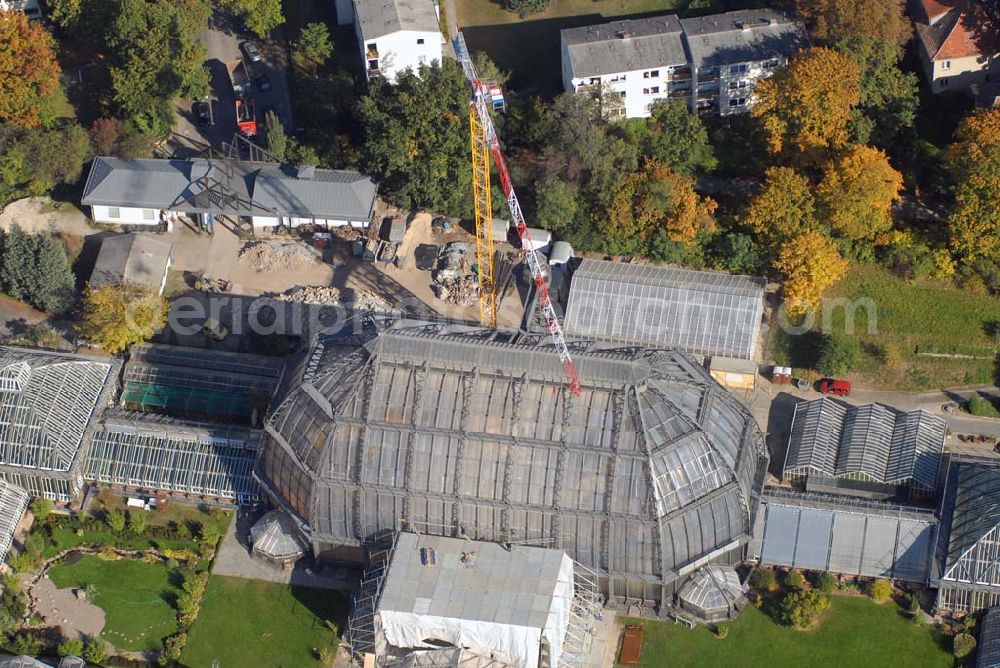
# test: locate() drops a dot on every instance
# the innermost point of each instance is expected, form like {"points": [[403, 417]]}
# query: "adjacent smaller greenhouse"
{"points": [[276, 538], [713, 594]]}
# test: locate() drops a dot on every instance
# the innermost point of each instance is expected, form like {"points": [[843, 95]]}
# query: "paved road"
{"points": [[222, 39]]}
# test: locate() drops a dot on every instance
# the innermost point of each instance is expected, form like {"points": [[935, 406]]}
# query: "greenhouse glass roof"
{"points": [[445, 429], [713, 588], [13, 503], [46, 404], [703, 312]]}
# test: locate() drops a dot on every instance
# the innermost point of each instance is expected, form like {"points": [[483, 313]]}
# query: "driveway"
{"points": [[222, 44]]}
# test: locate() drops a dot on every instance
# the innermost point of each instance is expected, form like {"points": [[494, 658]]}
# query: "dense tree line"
{"points": [[34, 269]]}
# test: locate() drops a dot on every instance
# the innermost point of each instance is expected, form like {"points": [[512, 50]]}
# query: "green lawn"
{"points": [[924, 317], [136, 598], [855, 632], [254, 623]]}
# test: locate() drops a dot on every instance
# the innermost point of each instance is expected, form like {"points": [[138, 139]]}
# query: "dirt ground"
{"points": [[39, 214], [61, 607]]}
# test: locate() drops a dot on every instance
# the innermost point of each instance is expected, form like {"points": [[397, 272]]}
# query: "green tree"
{"points": [[838, 355], [65, 13], [557, 205], [70, 647], [260, 16], [314, 45], [29, 72], [95, 651], [115, 520], [210, 534], [800, 609], [525, 8], [889, 96], [41, 508], [795, 579], [880, 590], [137, 522], [416, 138], [34, 268], [116, 316], [678, 138], [734, 252], [275, 140], [487, 70], [763, 580]]}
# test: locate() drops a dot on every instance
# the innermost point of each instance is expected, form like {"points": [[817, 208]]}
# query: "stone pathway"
{"points": [[60, 607]]}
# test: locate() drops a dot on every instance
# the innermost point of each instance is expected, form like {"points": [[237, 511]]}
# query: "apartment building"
{"points": [[713, 63], [396, 35], [951, 57]]}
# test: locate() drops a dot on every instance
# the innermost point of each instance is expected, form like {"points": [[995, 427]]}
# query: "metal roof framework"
{"points": [[276, 536], [703, 312], [713, 591], [871, 442], [13, 504], [651, 470], [181, 457], [969, 540]]}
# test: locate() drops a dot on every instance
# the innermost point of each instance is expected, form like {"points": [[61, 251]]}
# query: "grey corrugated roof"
{"points": [[273, 189], [136, 259], [378, 18], [706, 313], [328, 194], [471, 589], [743, 36], [887, 445], [624, 46], [988, 654]]}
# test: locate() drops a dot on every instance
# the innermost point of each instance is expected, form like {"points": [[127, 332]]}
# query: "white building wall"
{"points": [[261, 222], [641, 88], [393, 53], [124, 215], [737, 82]]}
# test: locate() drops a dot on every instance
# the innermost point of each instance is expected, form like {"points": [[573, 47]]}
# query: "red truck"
{"points": [[841, 388], [246, 119]]}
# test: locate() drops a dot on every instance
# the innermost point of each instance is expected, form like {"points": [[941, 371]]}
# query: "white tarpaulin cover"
{"points": [[477, 595]]}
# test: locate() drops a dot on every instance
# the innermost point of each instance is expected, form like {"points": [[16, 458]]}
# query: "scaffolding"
{"points": [[362, 634]]}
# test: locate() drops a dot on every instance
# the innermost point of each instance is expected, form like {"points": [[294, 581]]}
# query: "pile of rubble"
{"points": [[328, 296], [453, 283], [267, 256]]}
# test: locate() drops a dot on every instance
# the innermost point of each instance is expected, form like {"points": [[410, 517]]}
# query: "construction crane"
{"points": [[484, 142]]}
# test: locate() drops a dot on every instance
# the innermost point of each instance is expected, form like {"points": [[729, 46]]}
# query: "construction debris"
{"points": [[459, 291], [267, 256], [327, 296]]}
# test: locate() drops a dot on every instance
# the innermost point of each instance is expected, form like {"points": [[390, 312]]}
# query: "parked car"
{"points": [[251, 51], [203, 112], [263, 83], [841, 388]]}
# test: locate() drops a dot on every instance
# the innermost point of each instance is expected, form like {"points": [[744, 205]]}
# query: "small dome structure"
{"points": [[713, 594], [276, 537]]}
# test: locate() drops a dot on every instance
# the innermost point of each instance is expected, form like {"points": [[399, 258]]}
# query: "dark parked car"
{"points": [[203, 112], [263, 82], [251, 51]]}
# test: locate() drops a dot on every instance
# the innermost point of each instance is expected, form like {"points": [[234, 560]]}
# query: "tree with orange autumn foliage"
{"points": [[656, 198], [806, 106], [857, 192], [811, 263], [29, 72], [974, 163], [784, 208], [831, 20]]}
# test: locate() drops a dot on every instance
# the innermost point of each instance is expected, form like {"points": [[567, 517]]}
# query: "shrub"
{"points": [[801, 608], [173, 647], [210, 535], [838, 355], [107, 553], [912, 603], [95, 651], [795, 579], [137, 522], [721, 631], [42, 508], [173, 564], [525, 7], [24, 644], [326, 656], [826, 582], [116, 520], [762, 579], [982, 407], [962, 645], [70, 647], [880, 590]]}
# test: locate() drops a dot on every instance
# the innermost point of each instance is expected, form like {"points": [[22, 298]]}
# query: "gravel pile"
{"points": [[268, 256]]}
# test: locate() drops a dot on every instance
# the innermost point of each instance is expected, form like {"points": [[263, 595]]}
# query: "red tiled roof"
{"points": [[949, 37], [959, 43], [934, 9]]}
